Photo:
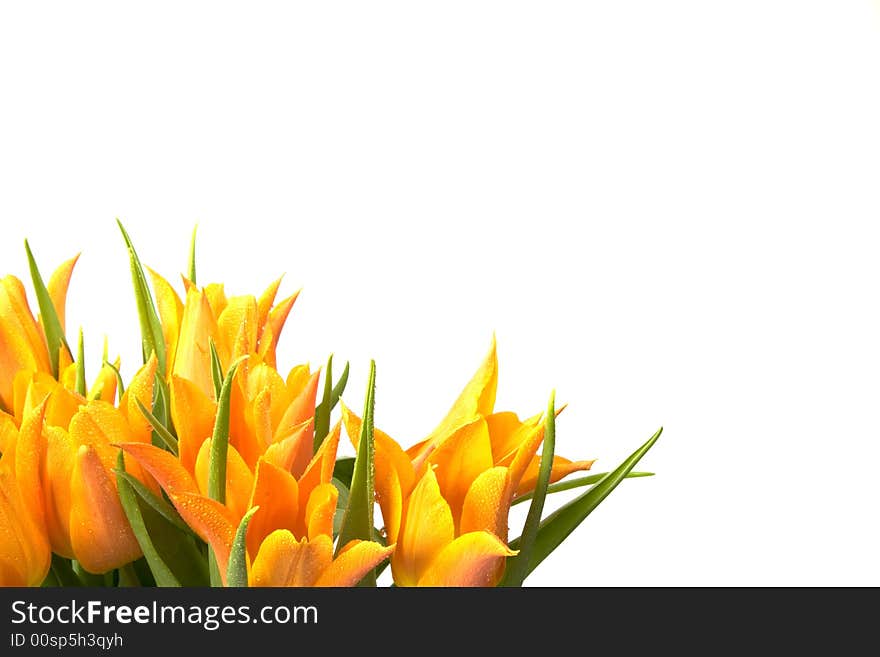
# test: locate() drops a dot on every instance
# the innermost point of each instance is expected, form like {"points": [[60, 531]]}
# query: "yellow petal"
{"points": [[487, 504], [507, 433], [99, 531], [104, 387], [284, 561], [474, 559], [140, 388], [193, 415], [394, 474], [237, 329], [300, 410], [427, 529], [163, 467], [272, 328], [56, 474], [277, 494], [297, 380], [193, 357], [320, 510], [264, 305], [320, 470], [57, 286], [170, 309], [21, 343], [459, 460], [24, 549], [101, 425], [239, 479], [284, 453], [216, 296], [562, 467], [354, 561], [212, 521], [477, 398], [29, 450]]}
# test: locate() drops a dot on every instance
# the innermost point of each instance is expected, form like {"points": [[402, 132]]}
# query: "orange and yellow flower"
{"points": [[445, 501]]}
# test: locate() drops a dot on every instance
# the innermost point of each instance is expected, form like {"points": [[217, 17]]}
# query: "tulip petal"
{"points": [[477, 398], [193, 415], [427, 529], [300, 410], [487, 504], [272, 328], [284, 561], [140, 388], [100, 534], [277, 494], [237, 329], [264, 304], [459, 460], [473, 559], [170, 309], [394, 476], [354, 561], [164, 467], [59, 281], [57, 471], [320, 470], [320, 510], [24, 550], [284, 452], [197, 326], [212, 521], [562, 467]]}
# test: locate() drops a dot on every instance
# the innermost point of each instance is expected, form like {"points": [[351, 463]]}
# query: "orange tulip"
{"points": [[75, 495], [24, 545], [22, 340], [459, 482], [289, 537]]}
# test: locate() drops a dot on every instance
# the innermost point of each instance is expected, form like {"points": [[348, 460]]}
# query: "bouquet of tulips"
{"points": [[212, 467]]}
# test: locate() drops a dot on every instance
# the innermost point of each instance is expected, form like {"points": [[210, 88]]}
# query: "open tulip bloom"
{"points": [[213, 465]]}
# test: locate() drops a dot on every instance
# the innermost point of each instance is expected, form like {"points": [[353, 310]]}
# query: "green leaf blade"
{"points": [[580, 482], [48, 315], [236, 571], [518, 566], [160, 570], [152, 338], [562, 522], [357, 522]]}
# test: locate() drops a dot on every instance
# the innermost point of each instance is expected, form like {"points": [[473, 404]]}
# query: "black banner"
{"points": [[396, 621]]}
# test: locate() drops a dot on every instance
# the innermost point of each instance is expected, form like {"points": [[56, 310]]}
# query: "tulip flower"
{"points": [[76, 493], [22, 340], [24, 545], [289, 537], [464, 477]]}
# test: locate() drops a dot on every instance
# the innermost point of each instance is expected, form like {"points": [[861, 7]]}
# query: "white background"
{"points": [[665, 210]]}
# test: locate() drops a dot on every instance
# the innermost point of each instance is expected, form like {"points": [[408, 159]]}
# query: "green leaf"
{"points": [[48, 315], [151, 328], [217, 460], [160, 570], [192, 255], [577, 483], [216, 369], [81, 366], [160, 505], [236, 571], [338, 389], [128, 576], [518, 566], [159, 428], [63, 570], [341, 504], [120, 384], [344, 469], [562, 522], [357, 522], [322, 411]]}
